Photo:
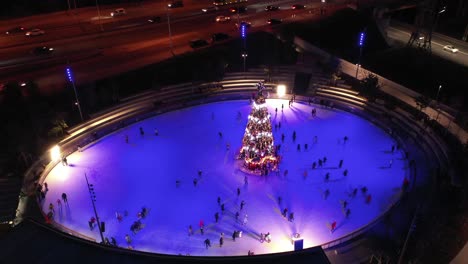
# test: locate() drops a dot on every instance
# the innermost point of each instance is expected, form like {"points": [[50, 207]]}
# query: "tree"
{"points": [[58, 128], [258, 150], [421, 102], [369, 86]]}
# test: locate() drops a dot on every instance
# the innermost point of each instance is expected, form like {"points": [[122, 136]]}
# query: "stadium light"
{"points": [[281, 90], [55, 153]]}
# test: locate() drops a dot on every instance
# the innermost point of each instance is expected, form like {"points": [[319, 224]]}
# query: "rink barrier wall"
{"points": [[153, 103]]}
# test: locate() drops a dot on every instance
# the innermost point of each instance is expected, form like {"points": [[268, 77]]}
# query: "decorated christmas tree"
{"points": [[258, 150]]}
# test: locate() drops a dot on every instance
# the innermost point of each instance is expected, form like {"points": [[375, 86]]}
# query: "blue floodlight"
{"points": [[243, 30], [361, 39], [69, 75]]}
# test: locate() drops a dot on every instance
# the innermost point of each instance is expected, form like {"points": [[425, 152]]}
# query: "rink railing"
{"points": [[151, 103]]}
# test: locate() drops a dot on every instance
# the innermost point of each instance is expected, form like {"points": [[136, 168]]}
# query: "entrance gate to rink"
{"points": [[150, 103]]}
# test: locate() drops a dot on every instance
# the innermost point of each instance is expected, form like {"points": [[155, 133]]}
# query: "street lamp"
{"points": [[99, 15], [244, 56], [77, 102], [437, 102], [169, 28], [360, 44], [438, 91], [92, 195]]}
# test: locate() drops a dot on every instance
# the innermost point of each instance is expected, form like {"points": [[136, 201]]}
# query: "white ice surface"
{"points": [[143, 173]]}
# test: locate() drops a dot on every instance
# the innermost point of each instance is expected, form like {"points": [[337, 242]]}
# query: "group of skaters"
{"points": [[41, 192], [142, 133]]}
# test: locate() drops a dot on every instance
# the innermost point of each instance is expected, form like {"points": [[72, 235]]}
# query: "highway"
{"points": [[126, 42], [401, 33]]}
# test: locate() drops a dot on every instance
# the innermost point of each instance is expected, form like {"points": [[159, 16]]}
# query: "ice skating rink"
{"points": [[144, 172]]}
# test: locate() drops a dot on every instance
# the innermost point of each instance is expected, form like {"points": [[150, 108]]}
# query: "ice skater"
{"points": [[207, 243], [118, 216], [285, 212], [216, 217], [345, 139], [64, 162], [242, 205], [245, 220], [195, 181], [332, 227], [294, 136], [282, 137], [142, 132], [190, 230], [291, 217], [326, 194], [279, 200], [390, 163], [327, 177], [219, 200], [64, 198], [238, 191], [220, 134], [324, 159], [156, 132], [298, 147], [340, 164], [222, 208], [221, 240], [128, 239], [306, 147]]}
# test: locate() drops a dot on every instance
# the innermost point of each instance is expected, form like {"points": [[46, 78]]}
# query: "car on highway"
{"points": [[219, 37], [223, 19], [246, 23], [271, 8], [450, 48], [15, 30], [35, 32], [42, 50], [198, 43], [240, 9], [175, 4], [210, 9], [156, 19], [274, 21], [297, 6], [118, 12]]}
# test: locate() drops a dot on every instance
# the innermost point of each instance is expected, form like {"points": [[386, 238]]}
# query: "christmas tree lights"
{"points": [[258, 150]]}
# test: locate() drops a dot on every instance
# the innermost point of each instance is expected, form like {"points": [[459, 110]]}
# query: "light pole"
{"points": [[438, 91], [169, 29], [92, 195], [361, 44], [70, 79], [99, 15], [244, 56], [437, 102], [243, 33]]}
